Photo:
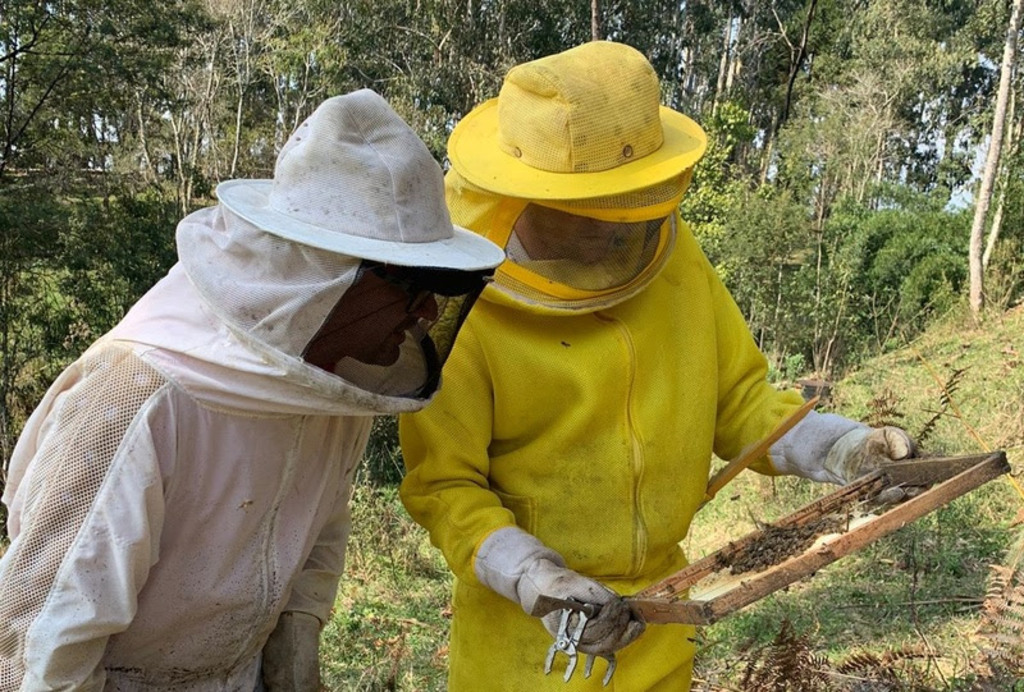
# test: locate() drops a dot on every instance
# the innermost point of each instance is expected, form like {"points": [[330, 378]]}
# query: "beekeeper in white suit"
{"points": [[178, 503]]}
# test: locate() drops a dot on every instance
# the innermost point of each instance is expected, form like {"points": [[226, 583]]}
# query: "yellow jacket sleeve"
{"points": [[446, 486], [749, 407]]}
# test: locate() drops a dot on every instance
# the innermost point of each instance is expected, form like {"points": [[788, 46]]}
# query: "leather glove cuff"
{"points": [[291, 656], [505, 556]]}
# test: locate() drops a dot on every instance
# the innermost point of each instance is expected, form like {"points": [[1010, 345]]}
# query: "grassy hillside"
{"points": [[904, 612], [900, 614]]}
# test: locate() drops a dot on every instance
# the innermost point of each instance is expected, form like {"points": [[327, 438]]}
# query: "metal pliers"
{"points": [[570, 631]]}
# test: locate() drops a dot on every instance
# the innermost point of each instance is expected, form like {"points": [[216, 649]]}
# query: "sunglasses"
{"points": [[418, 295], [421, 283]]}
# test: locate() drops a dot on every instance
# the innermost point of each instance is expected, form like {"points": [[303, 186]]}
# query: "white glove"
{"points": [[521, 568], [864, 450], [832, 449], [291, 656]]}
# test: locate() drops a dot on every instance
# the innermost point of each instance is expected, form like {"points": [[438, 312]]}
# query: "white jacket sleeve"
{"points": [[85, 523], [316, 586]]}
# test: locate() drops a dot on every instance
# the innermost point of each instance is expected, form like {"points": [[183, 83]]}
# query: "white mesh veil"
{"points": [[352, 184], [275, 294]]}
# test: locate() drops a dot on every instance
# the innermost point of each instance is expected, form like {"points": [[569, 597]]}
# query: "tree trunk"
{"points": [[723, 65], [236, 145], [179, 157], [977, 288], [798, 54], [7, 369], [735, 56], [767, 150], [994, 230], [819, 356], [595, 21], [149, 170], [1013, 135]]}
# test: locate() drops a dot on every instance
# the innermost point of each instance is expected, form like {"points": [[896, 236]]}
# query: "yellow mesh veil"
{"points": [[626, 240]]}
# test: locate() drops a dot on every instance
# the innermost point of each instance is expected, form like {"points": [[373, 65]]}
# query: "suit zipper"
{"points": [[639, 528]]}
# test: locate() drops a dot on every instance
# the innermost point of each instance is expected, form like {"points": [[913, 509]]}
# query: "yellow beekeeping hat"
{"points": [[584, 123]]}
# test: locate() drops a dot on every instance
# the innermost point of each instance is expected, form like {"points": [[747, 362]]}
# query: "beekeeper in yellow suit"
{"points": [[570, 447]]}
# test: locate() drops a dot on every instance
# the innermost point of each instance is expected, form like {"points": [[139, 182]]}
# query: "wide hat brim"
{"points": [[474, 151], [464, 250]]}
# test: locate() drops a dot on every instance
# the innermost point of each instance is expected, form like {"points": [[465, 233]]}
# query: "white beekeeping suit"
{"points": [[187, 480]]}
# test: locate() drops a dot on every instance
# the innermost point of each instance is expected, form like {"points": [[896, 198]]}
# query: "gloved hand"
{"points": [[291, 656], [612, 628], [863, 450], [521, 568]]}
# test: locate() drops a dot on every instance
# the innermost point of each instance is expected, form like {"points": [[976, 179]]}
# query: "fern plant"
{"points": [[1001, 632], [787, 664]]}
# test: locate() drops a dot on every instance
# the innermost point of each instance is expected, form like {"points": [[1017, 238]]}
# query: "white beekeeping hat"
{"points": [[355, 179]]}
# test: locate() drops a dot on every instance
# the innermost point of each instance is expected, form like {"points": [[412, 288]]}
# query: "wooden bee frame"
{"points": [[798, 545]]}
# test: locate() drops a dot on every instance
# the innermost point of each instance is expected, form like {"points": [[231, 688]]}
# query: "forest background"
{"points": [[863, 180]]}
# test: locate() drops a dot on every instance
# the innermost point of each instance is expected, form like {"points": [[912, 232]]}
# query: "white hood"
{"points": [[229, 325]]}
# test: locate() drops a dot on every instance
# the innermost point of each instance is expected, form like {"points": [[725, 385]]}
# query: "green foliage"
{"points": [[882, 93], [907, 261], [29, 233], [788, 370], [715, 186], [382, 462], [822, 199], [53, 54], [767, 233], [1005, 278], [70, 269], [873, 276]]}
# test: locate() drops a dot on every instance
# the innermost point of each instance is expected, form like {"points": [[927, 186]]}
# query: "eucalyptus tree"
{"points": [[302, 62], [1003, 261], [68, 71], [845, 101], [772, 59], [988, 177], [191, 116]]}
